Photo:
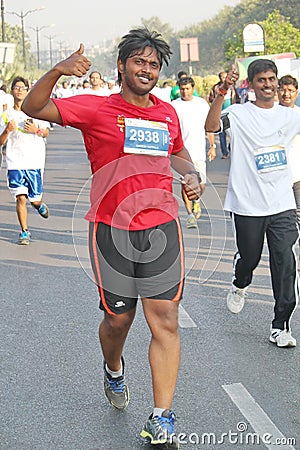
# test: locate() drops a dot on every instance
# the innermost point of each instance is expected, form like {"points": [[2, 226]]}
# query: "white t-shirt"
{"points": [[102, 92], [115, 90], [9, 101], [24, 151], [162, 93], [294, 155], [64, 92], [260, 180], [3, 99], [192, 115]]}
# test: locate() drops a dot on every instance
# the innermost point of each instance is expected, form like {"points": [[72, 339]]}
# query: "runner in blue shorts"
{"points": [[25, 157]]}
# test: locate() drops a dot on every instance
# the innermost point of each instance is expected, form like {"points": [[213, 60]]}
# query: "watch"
{"points": [[196, 173], [213, 145]]}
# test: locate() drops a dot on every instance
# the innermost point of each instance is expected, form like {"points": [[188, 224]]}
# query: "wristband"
{"points": [[222, 91], [39, 132]]}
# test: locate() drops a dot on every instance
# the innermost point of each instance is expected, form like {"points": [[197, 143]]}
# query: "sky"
{"points": [[69, 23]]}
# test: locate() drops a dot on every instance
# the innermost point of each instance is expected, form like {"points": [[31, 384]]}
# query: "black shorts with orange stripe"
{"points": [[132, 264]]}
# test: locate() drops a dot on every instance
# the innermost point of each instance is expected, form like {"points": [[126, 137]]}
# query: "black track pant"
{"points": [[282, 234]]}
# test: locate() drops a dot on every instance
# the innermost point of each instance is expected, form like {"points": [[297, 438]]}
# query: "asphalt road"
{"points": [[235, 389]]}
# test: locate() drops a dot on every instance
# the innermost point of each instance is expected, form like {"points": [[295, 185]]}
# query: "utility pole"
{"points": [[22, 16], [50, 48], [37, 30], [2, 21]]}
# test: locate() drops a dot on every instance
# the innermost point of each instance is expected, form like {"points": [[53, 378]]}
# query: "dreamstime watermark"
{"points": [[239, 437]]}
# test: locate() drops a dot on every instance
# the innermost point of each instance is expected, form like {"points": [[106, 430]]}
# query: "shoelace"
{"points": [[276, 333], [240, 293], [167, 422], [117, 385]]}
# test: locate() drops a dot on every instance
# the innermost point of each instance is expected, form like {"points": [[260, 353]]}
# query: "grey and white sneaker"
{"points": [[43, 210], [236, 299], [159, 430], [24, 237], [191, 222], [115, 389], [282, 338]]}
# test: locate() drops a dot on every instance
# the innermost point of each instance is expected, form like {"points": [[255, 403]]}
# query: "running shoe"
{"points": [[191, 222], [115, 389], [282, 338], [236, 299], [43, 211], [24, 237], [159, 430], [197, 210]]}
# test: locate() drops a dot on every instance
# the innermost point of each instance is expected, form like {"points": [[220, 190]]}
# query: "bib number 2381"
{"points": [[269, 159]]}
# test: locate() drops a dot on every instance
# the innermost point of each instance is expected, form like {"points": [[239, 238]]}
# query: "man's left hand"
{"points": [[191, 186]]}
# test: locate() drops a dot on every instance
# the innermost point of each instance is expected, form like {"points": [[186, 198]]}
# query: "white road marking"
{"points": [[184, 320], [256, 416]]}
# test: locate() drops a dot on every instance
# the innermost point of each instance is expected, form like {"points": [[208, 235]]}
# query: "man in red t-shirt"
{"points": [[132, 139]]}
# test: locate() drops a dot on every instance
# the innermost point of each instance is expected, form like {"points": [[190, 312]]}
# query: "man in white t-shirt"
{"points": [[260, 196], [3, 106], [113, 87], [287, 95], [64, 91], [192, 112], [25, 157], [163, 93], [3, 100], [97, 85]]}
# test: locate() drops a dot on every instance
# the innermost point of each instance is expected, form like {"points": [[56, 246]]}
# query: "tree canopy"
{"points": [[220, 38]]}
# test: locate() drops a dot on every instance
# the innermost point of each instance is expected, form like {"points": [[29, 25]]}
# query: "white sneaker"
{"points": [[236, 299], [282, 338]]}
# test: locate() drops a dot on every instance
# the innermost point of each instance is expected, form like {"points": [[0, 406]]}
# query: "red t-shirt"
{"points": [[129, 191]]}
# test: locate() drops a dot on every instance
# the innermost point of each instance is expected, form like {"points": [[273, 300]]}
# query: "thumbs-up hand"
{"points": [[76, 64], [231, 77]]}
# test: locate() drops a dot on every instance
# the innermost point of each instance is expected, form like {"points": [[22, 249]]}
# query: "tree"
{"points": [[105, 61], [233, 48], [280, 35], [154, 23], [220, 37], [13, 34]]}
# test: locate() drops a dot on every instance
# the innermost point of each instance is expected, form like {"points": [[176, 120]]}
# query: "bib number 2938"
{"points": [[146, 137]]}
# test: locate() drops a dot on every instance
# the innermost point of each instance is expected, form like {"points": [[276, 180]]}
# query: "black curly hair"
{"points": [[135, 42], [261, 65]]}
